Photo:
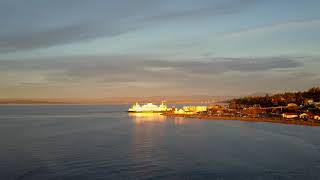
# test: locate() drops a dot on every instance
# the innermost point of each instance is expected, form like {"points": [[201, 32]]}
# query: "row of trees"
{"points": [[299, 98]]}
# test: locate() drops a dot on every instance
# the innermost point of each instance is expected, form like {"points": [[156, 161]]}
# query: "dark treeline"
{"points": [[299, 98]]}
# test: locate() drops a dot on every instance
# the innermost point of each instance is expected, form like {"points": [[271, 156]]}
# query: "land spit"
{"points": [[308, 122]]}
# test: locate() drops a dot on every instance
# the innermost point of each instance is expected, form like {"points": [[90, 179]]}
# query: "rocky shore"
{"points": [[309, 122]]}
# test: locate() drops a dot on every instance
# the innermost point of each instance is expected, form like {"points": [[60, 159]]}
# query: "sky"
{"points": [[121, 48]]}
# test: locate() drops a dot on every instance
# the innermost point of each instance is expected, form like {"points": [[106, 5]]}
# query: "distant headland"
{"points": [[302, 108]]}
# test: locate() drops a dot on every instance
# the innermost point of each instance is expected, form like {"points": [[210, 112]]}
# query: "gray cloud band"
{"points": [[142, 69], [46, 24]]}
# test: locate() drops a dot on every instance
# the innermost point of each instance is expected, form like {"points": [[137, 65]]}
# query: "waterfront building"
{"points": [[309, 101], [253, 111], [196, 109], [306, 115], [181, 111], [290, 115], [292, 105]]}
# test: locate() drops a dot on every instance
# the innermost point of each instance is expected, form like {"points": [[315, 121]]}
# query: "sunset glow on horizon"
{"points": [[80, 49]]}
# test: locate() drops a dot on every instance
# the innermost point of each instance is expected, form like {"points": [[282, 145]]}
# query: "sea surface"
{"points": [[78, 142]]}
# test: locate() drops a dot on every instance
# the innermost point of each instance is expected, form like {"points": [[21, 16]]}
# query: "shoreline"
{"points": [[248, 119]]}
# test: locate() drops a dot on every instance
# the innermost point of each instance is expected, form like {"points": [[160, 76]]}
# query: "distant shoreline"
{"points": [[89, 103], [120, 100], [66, 103], [248, 119]]}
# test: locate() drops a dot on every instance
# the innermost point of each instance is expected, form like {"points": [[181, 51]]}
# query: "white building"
{"points": [[195, 108], [305, 116], [181, 111], [290, 115]]}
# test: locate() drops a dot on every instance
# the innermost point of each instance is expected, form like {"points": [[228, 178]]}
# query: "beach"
{"points": [[248, 119]]}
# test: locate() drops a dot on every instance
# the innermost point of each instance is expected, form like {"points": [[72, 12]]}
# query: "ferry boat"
{"points": [[148, 108]]}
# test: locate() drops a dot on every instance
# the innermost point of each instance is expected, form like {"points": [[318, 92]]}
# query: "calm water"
{"points": [[103, 142]]}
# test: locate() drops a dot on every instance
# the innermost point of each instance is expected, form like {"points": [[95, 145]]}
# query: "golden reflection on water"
{"points": [[180, 121], [149, 133], [141, 118]]}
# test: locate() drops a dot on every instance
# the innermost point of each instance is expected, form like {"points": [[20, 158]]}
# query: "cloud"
{"points": [[118, 75], [60, 35], [213, 8], [126, 69], [274, 27], [34, 24], [45, 24]]}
